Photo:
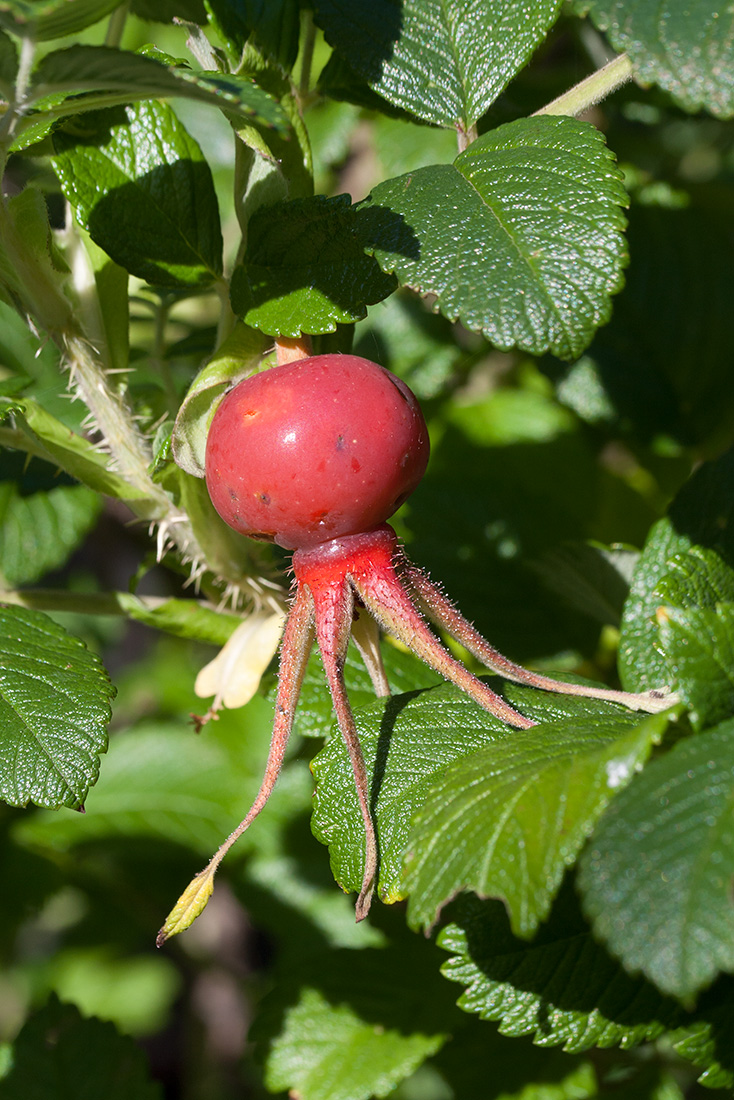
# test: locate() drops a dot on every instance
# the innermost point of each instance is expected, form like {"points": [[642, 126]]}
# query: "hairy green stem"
{"points": [[591, 90]]}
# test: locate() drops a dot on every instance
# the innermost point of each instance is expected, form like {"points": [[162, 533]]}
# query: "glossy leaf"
{"points": [[657, 876], [506, 821], [520, 238], [55, 706], [698, 644], [688, 50], [444, 776], [142, 188], [563, 988], [445, 62], [305, 269], [701, 515]]}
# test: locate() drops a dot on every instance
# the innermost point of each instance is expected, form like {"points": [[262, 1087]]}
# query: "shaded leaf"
{"points": [[657, 876], [563, 988], [520, 238], [445, 62], [58, 1053], [315, 713], [141, 186], [686, 49], [55, 706], [100, 68], [708, 1039], [274, 26], [41, 530], [673, 377], [305, 269], [52, 18], [165, 781]]}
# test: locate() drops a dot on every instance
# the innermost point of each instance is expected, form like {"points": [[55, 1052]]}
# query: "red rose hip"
{"points": [[315, 449]]}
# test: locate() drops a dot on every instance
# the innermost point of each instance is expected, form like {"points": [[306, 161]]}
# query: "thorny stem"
{"points": [[591, 90]]}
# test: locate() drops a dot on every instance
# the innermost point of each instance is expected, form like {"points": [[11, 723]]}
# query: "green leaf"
{"points": [[360, 1022], [688, 51], [508, 819], [592, 578], [673, 379], [521, 238], [701, 515], [326, 1052], [708, 1039], [8, 65], [102, 69], [55, 706], [58, 1053], [429, 754], [305, 269], [657, 877], [274, 26], [52, 18], [696, 633], [315, 712], [698, 644], [700, 578], [564, 988], [165, 11], [446, 61], [39, 531], [141, 186], [39, 433], [182, 618]]}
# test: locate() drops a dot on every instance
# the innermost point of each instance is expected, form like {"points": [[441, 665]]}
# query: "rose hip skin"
{"points": [[315, 449]]}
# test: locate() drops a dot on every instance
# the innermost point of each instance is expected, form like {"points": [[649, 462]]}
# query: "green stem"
{"points": [[22, 81], [309, 41], [81, 603], [591, 90], [116, 25]]}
